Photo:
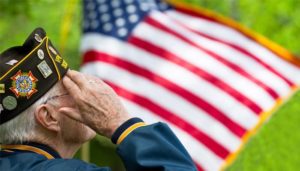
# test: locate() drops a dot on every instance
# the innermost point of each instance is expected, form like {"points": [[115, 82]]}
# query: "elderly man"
{"points": [[48, 111]]}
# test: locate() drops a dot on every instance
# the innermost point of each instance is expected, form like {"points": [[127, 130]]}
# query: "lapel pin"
{"points": [[38, 38], [40, 54]]}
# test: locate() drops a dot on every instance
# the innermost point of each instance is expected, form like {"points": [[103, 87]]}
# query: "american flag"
{"points": [[213, 81]]}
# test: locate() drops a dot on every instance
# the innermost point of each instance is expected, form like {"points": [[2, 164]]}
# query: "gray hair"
{"points": [[22, 127]]}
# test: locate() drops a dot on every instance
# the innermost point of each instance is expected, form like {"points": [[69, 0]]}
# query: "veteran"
{"points": [[47, 111]]}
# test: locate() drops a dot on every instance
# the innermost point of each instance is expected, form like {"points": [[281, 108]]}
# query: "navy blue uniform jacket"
{"points": [[150, 148]]}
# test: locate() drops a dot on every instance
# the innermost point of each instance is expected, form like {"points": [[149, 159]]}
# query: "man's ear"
{"points": [[47, 117]]}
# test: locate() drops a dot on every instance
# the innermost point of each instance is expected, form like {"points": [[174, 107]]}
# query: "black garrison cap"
{"points": [[27, 72]]}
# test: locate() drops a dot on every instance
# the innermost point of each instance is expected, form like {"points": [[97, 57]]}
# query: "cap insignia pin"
{"points": [[38, 38], [40, 54], [44, 69], [24, 84], [9, 102], [11, 62], [52, 50]]}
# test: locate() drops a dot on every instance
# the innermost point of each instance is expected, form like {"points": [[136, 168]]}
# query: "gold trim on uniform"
{"points": [[27, 148], [129, 130]]}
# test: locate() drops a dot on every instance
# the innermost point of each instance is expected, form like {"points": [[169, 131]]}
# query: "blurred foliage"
{"points": [[20, 17], [275, 147], [14, 7]]}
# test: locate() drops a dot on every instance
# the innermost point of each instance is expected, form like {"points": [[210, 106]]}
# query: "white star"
{"points": [[122, 32], [90, 6], [152, 4], [118, 12], [92, 15], [130, 8], [120, 22], [107, 27], [105, 17], [163, 5], [103, 8], [133, 18], [144, 6], [94, 24], [115, 3]]}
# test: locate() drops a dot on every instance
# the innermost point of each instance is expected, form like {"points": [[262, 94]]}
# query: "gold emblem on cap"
{"points": [[40, 54], [2, 88], [64, 64], [9, 102], [24, 84], [44, 69], [38, 38], [58, 58]]}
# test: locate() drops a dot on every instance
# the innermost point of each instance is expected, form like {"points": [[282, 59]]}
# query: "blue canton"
{"points": [[117, 18]]}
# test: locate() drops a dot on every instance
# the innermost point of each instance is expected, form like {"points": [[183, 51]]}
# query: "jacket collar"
{"points": [[41, 149]]}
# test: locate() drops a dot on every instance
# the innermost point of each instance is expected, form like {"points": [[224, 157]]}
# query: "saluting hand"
{"points": [[98, 105]]}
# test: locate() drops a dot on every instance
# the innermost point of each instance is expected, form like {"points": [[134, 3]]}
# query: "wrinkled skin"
{"points": [[98, 105]]}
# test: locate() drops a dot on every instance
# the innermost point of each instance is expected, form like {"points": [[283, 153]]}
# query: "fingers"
{"points": [[72, 113], [77, 77], [71, 87]]}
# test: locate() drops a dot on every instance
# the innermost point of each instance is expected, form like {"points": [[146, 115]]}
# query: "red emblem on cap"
{"points": [[24, 84]]}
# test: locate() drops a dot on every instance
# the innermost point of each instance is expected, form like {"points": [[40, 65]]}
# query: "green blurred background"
{"points": [[274, 147]]}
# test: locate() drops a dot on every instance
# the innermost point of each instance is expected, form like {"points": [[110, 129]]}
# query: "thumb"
{"points": [[72, 113]]}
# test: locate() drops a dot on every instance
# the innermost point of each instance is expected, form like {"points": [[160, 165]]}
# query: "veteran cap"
{"points": [[27, 72]]}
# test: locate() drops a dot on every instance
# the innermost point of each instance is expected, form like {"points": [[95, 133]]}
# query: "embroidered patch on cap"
{"points": [[24, 84]]}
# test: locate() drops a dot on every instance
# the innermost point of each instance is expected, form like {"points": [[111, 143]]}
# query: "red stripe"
{"points": [[196, 70], [248, 54], [190, 129], [229, 64], [219, 21], [199, 168], [92, 56], [237, 47]]}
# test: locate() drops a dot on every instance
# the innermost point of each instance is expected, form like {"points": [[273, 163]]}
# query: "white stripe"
{"points": [[164, 98], [228, 34], [180, 76], [200, 154], [204, 61], [248, 64]]}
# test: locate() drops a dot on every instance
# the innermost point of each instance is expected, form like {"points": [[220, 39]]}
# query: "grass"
{"points": [[274, 147]]}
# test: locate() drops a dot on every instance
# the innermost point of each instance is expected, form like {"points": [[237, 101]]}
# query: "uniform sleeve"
{"points": [[153, 147]]}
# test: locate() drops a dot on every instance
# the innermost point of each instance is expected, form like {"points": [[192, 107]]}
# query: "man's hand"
{"points": [[98, 105]]}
